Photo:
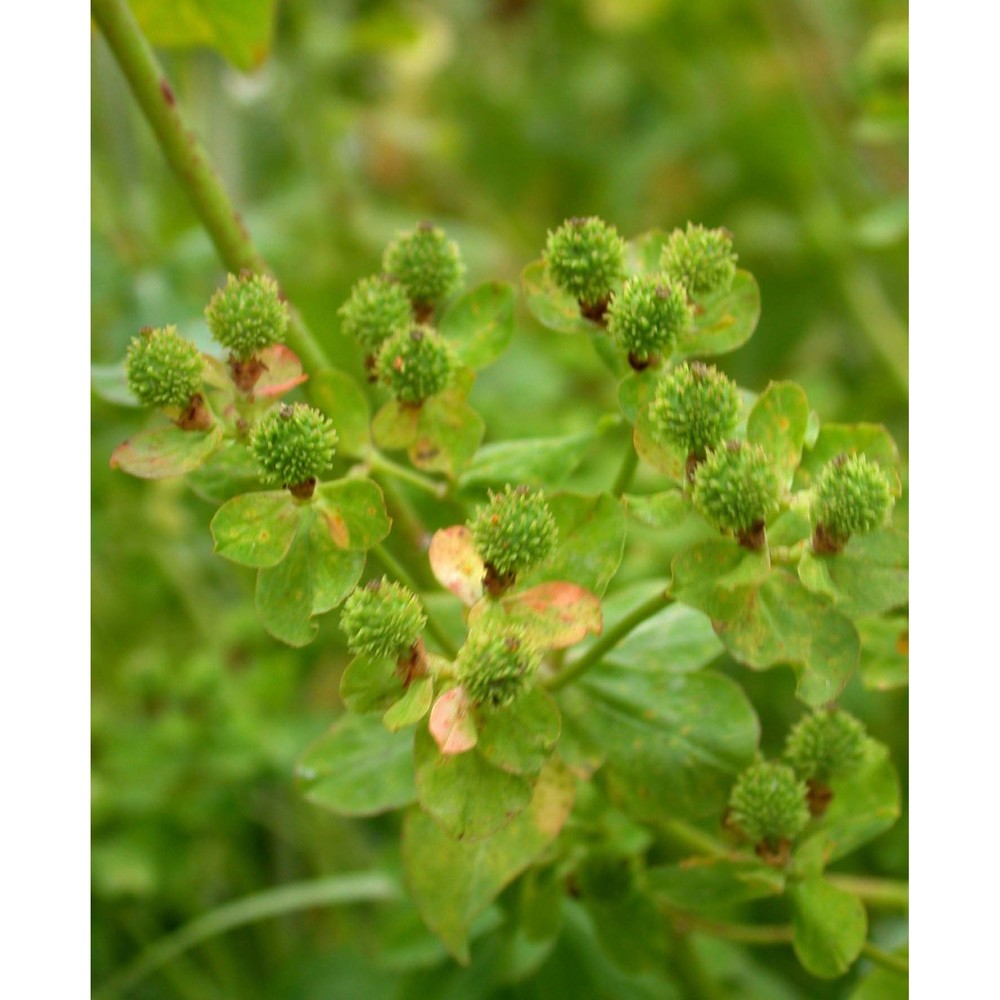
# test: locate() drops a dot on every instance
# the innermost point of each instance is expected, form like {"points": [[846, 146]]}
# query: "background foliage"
{"points": [[784, 121]]}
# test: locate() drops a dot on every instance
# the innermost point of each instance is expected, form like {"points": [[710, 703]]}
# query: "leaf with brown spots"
{"points": [[165, 452], [555, 614], [354, 512], [256, 529]]}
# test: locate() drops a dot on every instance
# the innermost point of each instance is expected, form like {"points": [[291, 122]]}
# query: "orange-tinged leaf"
{"points": [[456, 564], [452, 723]]}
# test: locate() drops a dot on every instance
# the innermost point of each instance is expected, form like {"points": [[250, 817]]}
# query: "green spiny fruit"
{"points": [[768, 804], [497, 664], [853, 496], [294, 444], [162, 368], [247, 315], [382, 620], [696, 407], [647, 316], [585, 257], [825, 744], [701, 259], [736, 488], [514, 531], [416, 362], [378, 308], [426, 263]]}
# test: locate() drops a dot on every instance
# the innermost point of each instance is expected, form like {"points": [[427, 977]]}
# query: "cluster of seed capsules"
{"points": [[293, 445], [695, 408], [498, 663], [389, 314]]}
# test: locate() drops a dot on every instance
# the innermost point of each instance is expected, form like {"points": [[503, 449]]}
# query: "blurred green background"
{"points": [[784, 120]]}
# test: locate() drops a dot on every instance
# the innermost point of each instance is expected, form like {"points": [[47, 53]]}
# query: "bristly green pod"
{"points": [[162, 368], [736, 488], [853, 496], [696, 407], [647, 316], [382, 620], [701, 259], [768, 804], [514, 531], [825, 744], [378, 308], [585, 257], [247, 314], [415, 363], [294, 444], [426, 263], [497, 664]]}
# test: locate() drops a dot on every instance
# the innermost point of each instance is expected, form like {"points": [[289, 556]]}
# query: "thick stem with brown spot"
{"points": [[188, 158]]}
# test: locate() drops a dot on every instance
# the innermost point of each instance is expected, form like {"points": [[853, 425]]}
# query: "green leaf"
{"points": [[885, 652], [830, 927], [869, 577], [667, 509], [358, 768], [239, 29], [448, 433], [412, 707], [555, 614], [636, 390], [883, 984], [662, 457], [353, 512], [725, 320], [165, 452], [456, 564], [520, 738], [529, 461], [344, 402], [369, 685], [256, 529], [395, 425], [673, 742], [314, 576], [550, 305], [703, 571], [770, 619], [711, 885], [110, 383], [229, 472], [677, 639], [872, 440], [480, 323], [864, 804], [453, 881], [643, 252], [778, 422], [632, 932], [469, 797], [590, 541]]}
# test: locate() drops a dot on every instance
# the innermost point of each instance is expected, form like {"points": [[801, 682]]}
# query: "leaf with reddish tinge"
{"points": [[282, 372], [256, 529], [165, 452], [452, 723], [354, 512], [556, 614], [455, 563]]}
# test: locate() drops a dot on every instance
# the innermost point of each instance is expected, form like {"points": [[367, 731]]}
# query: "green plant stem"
{"points": [[744, 933], [690, 837], [610, 639], [341, 890], [886, 959], [623, 480], [691, 972], [400, 572], [881, 893], [379, 463], [188, 159]]}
